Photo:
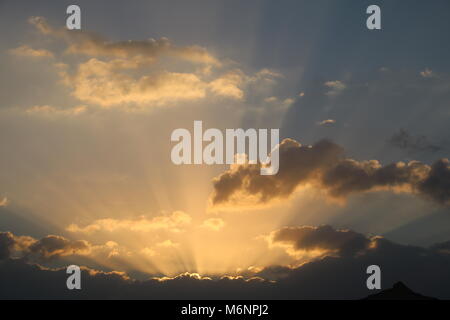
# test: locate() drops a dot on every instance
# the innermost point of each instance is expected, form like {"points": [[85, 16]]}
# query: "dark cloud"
{"points": [[50, 246], [6, 244], [324, 166], [332, 277], [306, 238], [437, 184], [351, 176], [404, 140], [298, 164], [443, 247], [55, 246]]}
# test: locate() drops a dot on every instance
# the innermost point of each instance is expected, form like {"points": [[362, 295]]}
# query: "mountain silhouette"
{"points": [[399, 291]]}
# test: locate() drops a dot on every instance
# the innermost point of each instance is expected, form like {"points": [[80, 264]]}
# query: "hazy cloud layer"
{"points": [[53, 111], [90, 44], [174, 222], [26, 51]]}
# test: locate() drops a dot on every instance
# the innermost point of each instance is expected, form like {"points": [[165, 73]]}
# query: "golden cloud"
{"points": [[94, 45], [26, 51], [50, 110], [144, 73], [103, 83]]}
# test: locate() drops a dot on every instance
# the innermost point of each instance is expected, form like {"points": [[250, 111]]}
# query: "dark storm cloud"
{"points": [[426, 271], [307, 238], [404, 140], [324, 166]]}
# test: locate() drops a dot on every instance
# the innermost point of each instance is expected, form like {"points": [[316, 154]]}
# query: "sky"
{"points": [[86, 176]]}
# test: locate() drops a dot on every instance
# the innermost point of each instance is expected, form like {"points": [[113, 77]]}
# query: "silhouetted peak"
{"points": [[399, 291], [400, 286]]}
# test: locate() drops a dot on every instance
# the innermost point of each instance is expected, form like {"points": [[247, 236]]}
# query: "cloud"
{"points": [[326, 122], [322, 239], [26, 51], [57, 246], [427, 73], [323, 166], [409, 100], [135, 71], [50, 110], [94, 45], [105, 84], [147, 73], [128, 81], [228, 85], [6, 244], [174, 222], [404, 140], [336, 87], [214, 224], [437, 184], [167, 244], [286, 103], [341, 276], [50, 246], [42, 283], [53, 249], [298, 164]]}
